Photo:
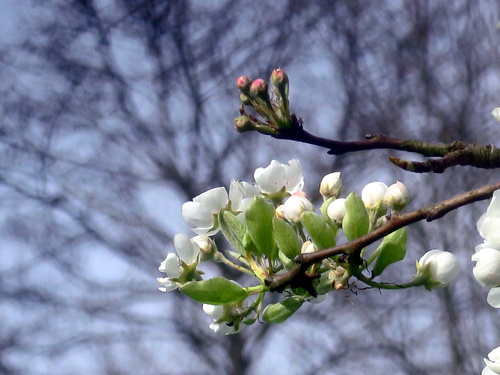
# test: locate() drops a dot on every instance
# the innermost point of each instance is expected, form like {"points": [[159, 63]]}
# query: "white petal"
{"points": [[272, 178], [293, 174], [236, 194], [494, 297], [170, 266], [214, 311], [490, 230], [295, 206], [373, 194], [167, 285], [224, 329], [197, 215], [188, 251], [487, 268], [214, 199], [488, 371]]}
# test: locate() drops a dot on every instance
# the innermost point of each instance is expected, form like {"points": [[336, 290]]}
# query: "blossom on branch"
{"points": [[277, 176], [439, 268], [492, 363]]}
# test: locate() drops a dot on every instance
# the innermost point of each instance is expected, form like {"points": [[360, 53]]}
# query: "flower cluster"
{"points": [[487, 255], [272, 106], [269, 224]]}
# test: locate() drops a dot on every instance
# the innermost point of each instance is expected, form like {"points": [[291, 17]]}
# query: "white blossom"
{"points": [[487, 268], [373, 195], [337, 210], [295, 206], [492, 363], [330, 185], [442, 268], [488, 224], [396, 196], [201, 211], [277, 176]]}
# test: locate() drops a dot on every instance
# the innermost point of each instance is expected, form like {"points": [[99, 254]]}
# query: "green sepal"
{"points": [[391, 250], [279, 312], [286, 238], [259, 217], [238, 257], [215, 291], [356, 221], [321, 233], [234, 230]]}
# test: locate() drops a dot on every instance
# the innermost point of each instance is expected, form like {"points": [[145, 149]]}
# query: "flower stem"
{"points": [[374, 284]]}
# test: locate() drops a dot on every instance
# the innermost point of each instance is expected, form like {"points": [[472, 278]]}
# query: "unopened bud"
{"points": [[258, 89], [337, 210], [206, 245], [243, 84], [295, 206], [396, 196], [373, 195], [280, 212], [330, 185], [280, 80], [243, 124], [308, 247]]}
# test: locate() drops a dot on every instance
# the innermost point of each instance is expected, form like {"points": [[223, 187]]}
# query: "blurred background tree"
{"points": [[116, 112]]}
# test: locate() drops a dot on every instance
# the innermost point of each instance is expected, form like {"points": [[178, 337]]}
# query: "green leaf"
{"points": [[216, 291], [234, 230], [286, 238], [279, 312], [321, 233], [391, 250], [259, 217], [356, 222]]}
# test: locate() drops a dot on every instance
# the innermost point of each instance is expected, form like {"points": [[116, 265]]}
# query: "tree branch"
{"points": [[447, 155], [352, 249]]}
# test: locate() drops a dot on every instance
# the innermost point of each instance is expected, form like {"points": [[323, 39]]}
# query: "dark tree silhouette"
{"points": [[115, 113]]}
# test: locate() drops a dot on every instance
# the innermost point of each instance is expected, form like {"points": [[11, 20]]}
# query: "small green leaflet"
{"points": [[216, 291], [391, 250], [279, 312], [356, 222], [259, 217]]}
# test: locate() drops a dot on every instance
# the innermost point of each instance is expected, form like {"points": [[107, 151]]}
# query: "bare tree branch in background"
{"points": [[114, 113]]}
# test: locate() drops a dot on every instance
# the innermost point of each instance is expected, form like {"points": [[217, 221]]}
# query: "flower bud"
{"points": [[280, 80], [339, 277], [308, 247], [396, 196], [496, 113], [243, 124], [280, 214], [487, 268], [438, 269], [330, 185], [258, 89], [243, 84], [337, 210], [295, 206], [373, 195], [206, 245]]}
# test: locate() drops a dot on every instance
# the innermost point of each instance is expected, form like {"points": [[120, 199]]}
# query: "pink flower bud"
{"points": [[279, 78], [243, 84], [258, 89]]}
